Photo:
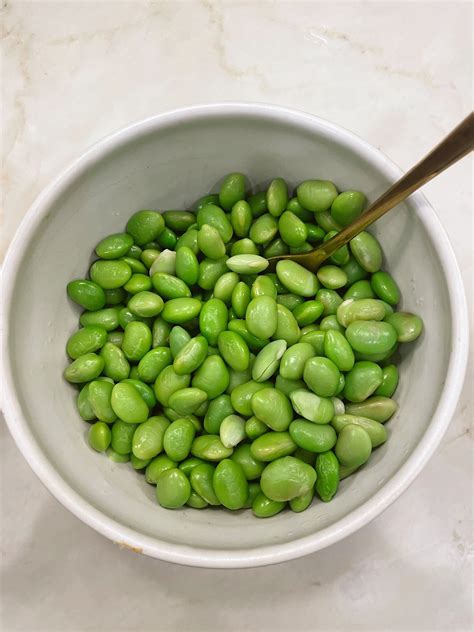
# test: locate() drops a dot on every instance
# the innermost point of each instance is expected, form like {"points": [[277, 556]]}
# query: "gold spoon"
{"points": [[454, 147]]}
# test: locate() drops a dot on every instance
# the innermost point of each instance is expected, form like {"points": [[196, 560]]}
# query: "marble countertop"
{"points": [[73, 72]]}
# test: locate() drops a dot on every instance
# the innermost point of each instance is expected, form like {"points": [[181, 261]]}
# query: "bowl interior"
{"points": [[169, 165]]}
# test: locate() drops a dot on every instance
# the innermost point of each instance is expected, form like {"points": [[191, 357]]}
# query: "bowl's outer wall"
{"points": [[169, 164]]}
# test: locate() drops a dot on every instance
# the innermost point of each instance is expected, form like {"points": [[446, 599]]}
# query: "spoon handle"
{"points": [[454, 147]]}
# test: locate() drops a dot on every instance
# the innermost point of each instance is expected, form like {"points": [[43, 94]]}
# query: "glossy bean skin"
{"points": [[152, 363], [389, 383], [147, 440], [311, 436], [263, 507], [173, 489], [367, 252], [230, 484], [84, 369], [99, 397], [317, 409], [294, 359], [378, 408], [178, 439], [86, 340], [316, 195], [353, 447], [407, 326], [261, 317], [287, 478], [328, 476], [297, 279], [232, 190], [376, 431], [213, 320], [273, 408], [234, 350], [362, 380], [99, 436], [272, 445], [87, 294], [267, 361], [212, 376], [210, 448], [321, 376]]}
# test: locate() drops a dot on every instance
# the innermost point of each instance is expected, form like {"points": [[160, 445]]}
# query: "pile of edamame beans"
{"points": [[226, 385]]}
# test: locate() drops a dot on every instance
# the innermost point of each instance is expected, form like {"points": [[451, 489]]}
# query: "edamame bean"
{"points": [[247, 264], [300, 503], [263, 507], [84, 369], [187, 265], [332, 277], [362, 380], [389, 381], [145, 226], [384, 286], [165, 262], [157, 466], [276, 248], [375, 430], [110, 274], [152, 363], [353, 446], [316, 339], [258, 203], [240, 299], [210, 242], [241, 218], [107, 318], [287, 478], [244, 246], [370, 336], [210, 448], [83, 405], [215, 217], [230, 484], [337, 349], [297, 279], [232, 431], [210, 270], [292, 229], [272, 445], [268, 359], [351, 310], [178, 439], [181, 310], [261, 316], [255, 428], [308, 312], [320, 410], [366, 251], [212, 376], [147, 439], [114, 246], [347, 207], [219, 409], [330, 323], [264, 229], [136, 340], [87, 294], [160, 333], [169, 286], [136, 284], [316, 195], [188, 465], [378, 408], [100, 396], [187, 401], [293, 360], [359, 289], [251, 467], [232, 190], [240, 327], [173, 489], [287, 327], [234, 350], [86, 340], [99, 436], [277, 197], [273, 408], [406, 325], [330, 299], [179, 221], [122, 437], [311, 436], [146, 304], [128, 404], [322, 376], [225, 287], [178, 339], [264, 286], [201, 478], [168, 382], [327, 475]]}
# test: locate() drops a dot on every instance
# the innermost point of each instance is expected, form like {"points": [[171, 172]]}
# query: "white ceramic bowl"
{"points": [[168, 161]]}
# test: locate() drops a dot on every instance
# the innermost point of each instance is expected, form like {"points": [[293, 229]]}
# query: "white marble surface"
{"points": [[396, 73]]}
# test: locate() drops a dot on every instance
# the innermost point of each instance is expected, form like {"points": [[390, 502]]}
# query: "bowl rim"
{"points": [[275, 553]]}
